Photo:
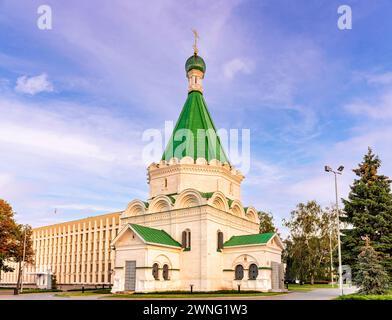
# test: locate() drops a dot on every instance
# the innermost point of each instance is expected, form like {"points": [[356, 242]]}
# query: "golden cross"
{"points": [[195, 50]]}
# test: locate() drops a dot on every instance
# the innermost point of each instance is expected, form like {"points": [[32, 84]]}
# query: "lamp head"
{"points": [[341, 168], [327, 168]]}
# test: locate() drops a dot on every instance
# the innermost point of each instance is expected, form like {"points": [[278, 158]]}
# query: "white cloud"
{"points": [[67, 156], [33, 85], [233, 67], [381, 78], [381, 108]]}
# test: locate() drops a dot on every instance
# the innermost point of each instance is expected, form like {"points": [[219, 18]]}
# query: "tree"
{"points": [[7, 240], [371, 276], [266, 222], [308, 247], [368, 211], [23, 250]]}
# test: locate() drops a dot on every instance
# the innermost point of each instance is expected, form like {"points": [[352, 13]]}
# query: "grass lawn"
{"points": [[357, 296], [82, 294], [27, 291], [191, 295], [309, 287]]}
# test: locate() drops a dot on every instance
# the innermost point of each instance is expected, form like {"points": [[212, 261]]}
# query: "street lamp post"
{"points": [[339, 171], [330, 252], [23, 259]]}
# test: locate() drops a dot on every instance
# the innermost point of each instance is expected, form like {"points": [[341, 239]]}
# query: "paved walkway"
{"points": [[316, 294]]}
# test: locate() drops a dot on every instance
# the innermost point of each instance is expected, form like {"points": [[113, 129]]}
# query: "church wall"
{"points": [[123, 254], [261, 255], [204, 266], [174, 178], [162, 256]]}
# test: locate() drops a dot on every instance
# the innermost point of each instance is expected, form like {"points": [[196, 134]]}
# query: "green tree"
{"points": [[23, 252], [266, 222], [7, 239], [368, 211], [371, 276], [308, 246]]}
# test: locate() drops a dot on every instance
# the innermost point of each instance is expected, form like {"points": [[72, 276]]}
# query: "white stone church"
{"points": [[193, 231]]}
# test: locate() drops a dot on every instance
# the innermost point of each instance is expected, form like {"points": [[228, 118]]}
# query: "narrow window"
{"points": [[186, 239], [165, 272], [183, 241], [220, 240], [155, 271], [239, 272], [253, 272]]}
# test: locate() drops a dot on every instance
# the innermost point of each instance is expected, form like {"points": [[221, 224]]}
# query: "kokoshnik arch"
{"points": [[193, 230]]}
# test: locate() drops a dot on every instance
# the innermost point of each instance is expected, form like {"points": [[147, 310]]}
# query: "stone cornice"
{"points": [[202, 167]]}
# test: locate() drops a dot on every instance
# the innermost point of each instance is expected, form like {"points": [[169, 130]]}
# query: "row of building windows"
{"points": [[86, 279], [44, 235]]}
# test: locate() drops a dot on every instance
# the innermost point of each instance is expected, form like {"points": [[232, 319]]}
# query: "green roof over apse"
{"points": [[152, 235], [249, 239], [201, 139]]}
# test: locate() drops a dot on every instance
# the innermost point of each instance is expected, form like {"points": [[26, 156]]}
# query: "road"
{"points": [[317, 294]]}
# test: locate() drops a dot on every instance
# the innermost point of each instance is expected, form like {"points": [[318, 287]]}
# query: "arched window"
{"points": [[220, 240], [155, 271], [186, 239], [165, 272], [239, 272], [253, 272]]}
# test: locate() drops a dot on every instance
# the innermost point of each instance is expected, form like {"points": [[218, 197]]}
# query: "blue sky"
{"points": [[75, 100]]}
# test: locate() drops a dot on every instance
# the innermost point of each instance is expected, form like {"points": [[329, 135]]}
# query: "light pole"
{"points": [[330, 252], [339, 171], [23, 260]]}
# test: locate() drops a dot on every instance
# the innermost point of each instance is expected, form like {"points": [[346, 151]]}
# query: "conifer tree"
{"points": [[368, 211], [371, 276]]}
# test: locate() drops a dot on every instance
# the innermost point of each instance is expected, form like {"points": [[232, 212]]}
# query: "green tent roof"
{"points": [[194, 142], [249, 239], [154, 235]]}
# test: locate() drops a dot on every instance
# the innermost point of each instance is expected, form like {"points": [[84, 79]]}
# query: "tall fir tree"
{"points": [[368, 212], [371, 276]]}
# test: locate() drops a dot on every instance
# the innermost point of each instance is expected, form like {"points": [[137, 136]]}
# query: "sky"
{"points": [[76, 99]]}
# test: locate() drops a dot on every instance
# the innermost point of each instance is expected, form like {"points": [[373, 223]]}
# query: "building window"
{"points": [[186, 239], [239, 272], [155, 271], [165, 272], [220, 240], [253, 272]]}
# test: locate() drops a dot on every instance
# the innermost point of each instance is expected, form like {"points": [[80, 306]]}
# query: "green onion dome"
{"points": [[195, 62]]}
